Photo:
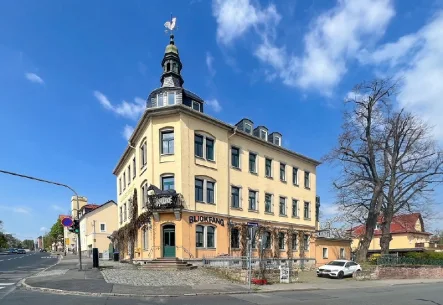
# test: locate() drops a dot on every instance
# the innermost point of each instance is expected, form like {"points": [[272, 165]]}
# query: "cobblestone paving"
{"points": [[158, 278], [51, 272], [116, 265]]}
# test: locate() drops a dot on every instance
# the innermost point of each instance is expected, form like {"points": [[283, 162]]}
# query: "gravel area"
{"points": [[159, 278]]}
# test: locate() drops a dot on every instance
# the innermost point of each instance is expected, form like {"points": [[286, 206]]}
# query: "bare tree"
{"points": [[415, 167], [360, 153]]}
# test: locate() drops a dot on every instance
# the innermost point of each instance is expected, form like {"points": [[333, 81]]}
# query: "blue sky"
{"points": [[74, 76]]}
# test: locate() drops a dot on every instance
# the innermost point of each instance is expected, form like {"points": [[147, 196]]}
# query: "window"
{"points": [[252, 200], [196, 105], [267, 240], [210, 237], [209, 149], [199, 236], [121, 215], [171, 98], [263, 134], [248, 128], [167, 142], [160, 99], [325, 252], [198, 145], [145, 238], [102, 227], [307, 210], [294, 241], [235, 157], [198, 190], [120, 185], [342, 253], [133, 168], [282, 172], [168, 183], [377, 226], [235, 238], [306, 242], [125, 211], [268, 168], [143, 155], [281, 240], [235, 197], [144, 194], [129, 174], [252, 163], [307, 184], [295, 176], [282, 206], [124, 181], [268, 203], [210, 192], [294, 208], [277, 140]]}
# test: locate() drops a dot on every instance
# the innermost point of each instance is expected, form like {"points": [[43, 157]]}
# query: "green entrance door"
{"points": [[169, 241]]}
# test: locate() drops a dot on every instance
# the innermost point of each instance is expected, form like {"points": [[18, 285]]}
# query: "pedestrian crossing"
{"points": [[5, 285]]}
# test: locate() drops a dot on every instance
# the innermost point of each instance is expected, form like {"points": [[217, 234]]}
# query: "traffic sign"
{"points": [[67, 221], [252, 224]]}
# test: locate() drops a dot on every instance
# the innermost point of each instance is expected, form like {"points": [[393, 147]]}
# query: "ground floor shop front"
{"points": [[191, 235]]}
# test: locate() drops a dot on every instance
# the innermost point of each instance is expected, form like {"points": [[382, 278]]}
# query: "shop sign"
{"points": [[209, 219]]}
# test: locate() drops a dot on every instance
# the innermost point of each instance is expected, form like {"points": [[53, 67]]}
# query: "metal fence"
{"points": [[241, 262], [409, 261]]}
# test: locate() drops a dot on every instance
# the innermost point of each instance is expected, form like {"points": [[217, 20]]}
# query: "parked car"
{"points": [[12, 251], [338, 269], [21, 251], [43, 250]]}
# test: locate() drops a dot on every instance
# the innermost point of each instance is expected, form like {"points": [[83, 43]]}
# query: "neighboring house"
{"points": [[40, 242], [96, 224], [408, 235], [328, 248], [207, 179], [70, 239]]}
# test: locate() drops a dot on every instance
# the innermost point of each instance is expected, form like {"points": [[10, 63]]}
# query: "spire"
{"points": [[171, 63]]}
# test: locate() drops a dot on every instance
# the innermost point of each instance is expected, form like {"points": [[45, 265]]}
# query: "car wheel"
{"points": [[319, 275], [340, 275]]}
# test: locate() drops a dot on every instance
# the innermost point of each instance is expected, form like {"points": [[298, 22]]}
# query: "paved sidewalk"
{"points": [[127, 280]]}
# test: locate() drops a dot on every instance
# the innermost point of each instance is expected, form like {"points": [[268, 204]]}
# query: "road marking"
{"points": [[6, 284], [2, 288]]}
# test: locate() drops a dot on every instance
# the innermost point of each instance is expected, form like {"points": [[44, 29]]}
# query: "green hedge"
{"points": [[425, 255]]}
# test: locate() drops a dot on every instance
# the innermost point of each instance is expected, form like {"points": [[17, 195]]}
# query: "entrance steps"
{"points": [[167, 264]]}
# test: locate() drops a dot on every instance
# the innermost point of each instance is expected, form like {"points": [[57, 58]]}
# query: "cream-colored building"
{"points": [[224, 177], [97, 222]]}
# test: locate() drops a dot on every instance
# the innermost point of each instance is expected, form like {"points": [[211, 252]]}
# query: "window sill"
{"points": [[269, 213], [210, 203], [283, 181], [282, 250], [167, 154], [237, 208], [253, 211], [204, 248], [200, 157], [236, 168], [283, 215], [198, 201], [307, 188], [269, 177], [253, 173], [296, 184], [296, 217], [307, 218]]}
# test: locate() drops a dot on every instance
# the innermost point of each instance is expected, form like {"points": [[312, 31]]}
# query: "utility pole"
{"points": [[59, 184]]}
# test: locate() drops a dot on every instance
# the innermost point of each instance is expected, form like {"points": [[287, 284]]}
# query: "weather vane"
{"points": [[171, 25]]}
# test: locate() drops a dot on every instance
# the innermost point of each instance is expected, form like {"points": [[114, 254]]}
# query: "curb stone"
{"points": [[60, 257]]}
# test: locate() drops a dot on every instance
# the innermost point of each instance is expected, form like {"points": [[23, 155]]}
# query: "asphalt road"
{"points": [[15, 267], [421, 294]]}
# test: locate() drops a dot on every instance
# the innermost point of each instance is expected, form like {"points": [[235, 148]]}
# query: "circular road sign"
{"points": [[67, 221]]}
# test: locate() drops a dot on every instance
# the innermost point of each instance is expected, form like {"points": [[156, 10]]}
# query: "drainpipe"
{"points": [[229, 192]]}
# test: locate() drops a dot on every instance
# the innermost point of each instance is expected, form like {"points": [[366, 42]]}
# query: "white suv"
{"points": [[338, 269]]}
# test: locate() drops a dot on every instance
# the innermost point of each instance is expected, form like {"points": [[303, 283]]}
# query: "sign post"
{"points": [[253, 226]]}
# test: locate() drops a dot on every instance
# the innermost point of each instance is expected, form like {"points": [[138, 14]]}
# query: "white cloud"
{"points": [[417, 59], [125, 109], [127, 132], [20, 210], [32, 77], [214, 104], [209, 63], [334, 37], [43, 229], [58, 208], [236, 17]]}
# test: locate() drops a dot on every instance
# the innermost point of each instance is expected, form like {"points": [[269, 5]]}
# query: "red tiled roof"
{"points": [[91, 206], [400, 224], [63, 216]]}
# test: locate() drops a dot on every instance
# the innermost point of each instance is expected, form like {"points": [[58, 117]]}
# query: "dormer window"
{"points": [[277, 140], [248, 128], [160, 99], [263, 134], [171, 98], [196, 105]]}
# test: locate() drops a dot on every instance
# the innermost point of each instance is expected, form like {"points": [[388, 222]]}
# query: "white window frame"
{"points": [[309, 179], [298, 208], [144, 193], [120, 185], [239, 196], [205, 189], [266, 134], [175, 98], [121, 214], [162, 100], [256, 200], [124, 180], [256, 162], [272, 202], [129, 174], [250, 128], [309, 210], [278, 140], [204, 136], [272, 171], [166, 175], [134, 165], [143, 155], [306, 246], [297, 244], [239, 157], [342, 253], [325, 254], [102, 231], [285, 207], [196, 103], [284, 172], [205, 237], [165, 131], [296, 176], [145, 238]]}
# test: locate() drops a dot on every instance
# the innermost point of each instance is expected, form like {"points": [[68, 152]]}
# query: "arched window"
{"points": [[168, 67], [199, 236], [174, 67], [210, 237], [205, 190]]}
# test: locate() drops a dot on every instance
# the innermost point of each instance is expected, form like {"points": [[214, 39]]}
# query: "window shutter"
{"points": [[240, 199], [309, 209]]}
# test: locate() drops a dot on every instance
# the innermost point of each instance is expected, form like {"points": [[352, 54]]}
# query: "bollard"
{"points": [[94, 257]]}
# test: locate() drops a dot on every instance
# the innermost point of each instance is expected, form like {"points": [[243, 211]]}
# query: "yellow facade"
{"points": [[400, 241], [185, 167], [96, 226], [329, 249]]}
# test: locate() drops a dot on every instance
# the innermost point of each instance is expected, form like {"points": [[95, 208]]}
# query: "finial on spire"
{"points": [[171, 26]]}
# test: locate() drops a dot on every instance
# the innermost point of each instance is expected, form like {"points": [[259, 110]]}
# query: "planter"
{"points": [[259, 281]]}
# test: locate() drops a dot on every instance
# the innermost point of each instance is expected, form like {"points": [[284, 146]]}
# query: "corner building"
{"points": [[224, 176]]}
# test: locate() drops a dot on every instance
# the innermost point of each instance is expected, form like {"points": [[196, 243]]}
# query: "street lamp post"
{"points": [[76, 198]]}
